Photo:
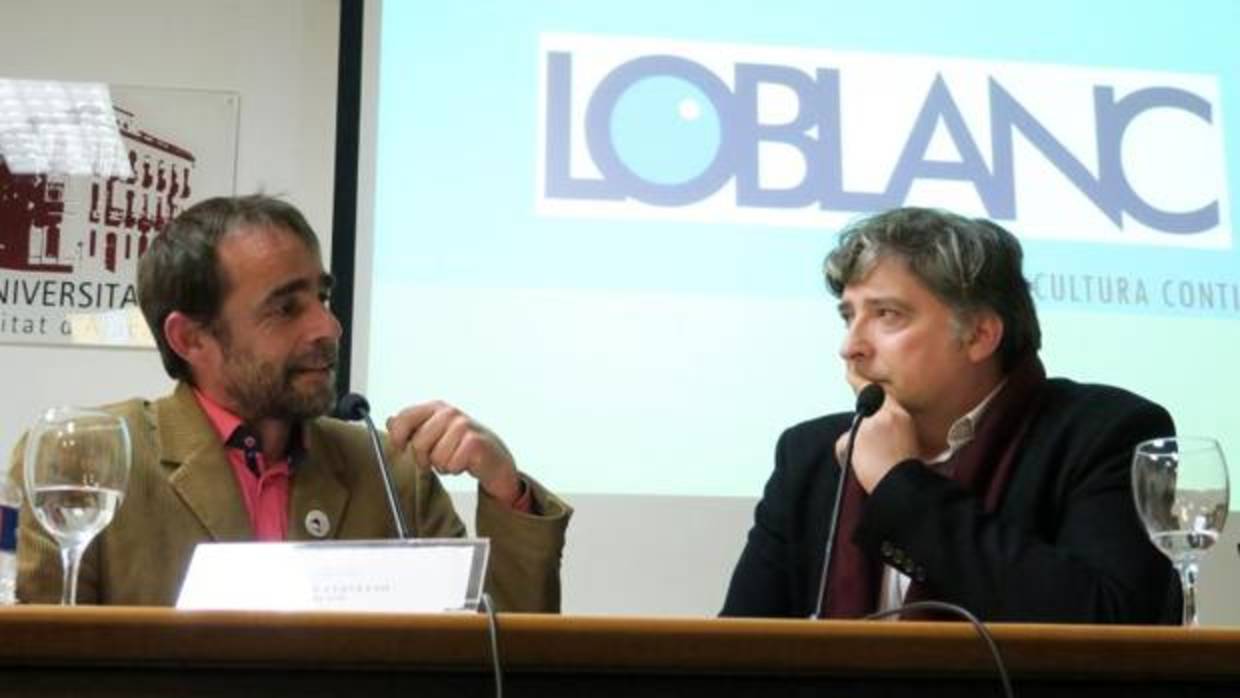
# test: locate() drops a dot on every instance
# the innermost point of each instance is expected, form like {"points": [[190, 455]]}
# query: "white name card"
{"points": [[425, 575]]}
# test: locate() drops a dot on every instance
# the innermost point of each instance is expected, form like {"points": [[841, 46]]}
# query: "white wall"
{"points": [[280, 55], [649, 556]]}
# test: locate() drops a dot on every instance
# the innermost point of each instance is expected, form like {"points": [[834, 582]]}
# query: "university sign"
{"points": [[70, 239]]}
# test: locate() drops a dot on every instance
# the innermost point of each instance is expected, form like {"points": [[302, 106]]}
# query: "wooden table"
{"points": [[119, 651]]}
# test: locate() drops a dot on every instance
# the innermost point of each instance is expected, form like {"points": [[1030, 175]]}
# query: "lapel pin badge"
{"points": [[317, 524]]}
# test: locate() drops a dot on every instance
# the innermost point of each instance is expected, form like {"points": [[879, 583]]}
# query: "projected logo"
{"points": [[648, 128]]}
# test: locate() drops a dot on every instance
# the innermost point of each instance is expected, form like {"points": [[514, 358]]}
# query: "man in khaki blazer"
{"points": [[264, 348]]}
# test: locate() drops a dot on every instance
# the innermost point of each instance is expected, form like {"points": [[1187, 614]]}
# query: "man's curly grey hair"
{"points": [[970, 264]]}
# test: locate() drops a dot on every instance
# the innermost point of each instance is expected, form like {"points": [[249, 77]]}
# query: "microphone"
{"points": [[352, 407], [868, 401]]}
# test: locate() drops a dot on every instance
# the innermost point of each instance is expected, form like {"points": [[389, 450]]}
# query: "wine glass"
{"points": [[76, 470], [1181, 491]]}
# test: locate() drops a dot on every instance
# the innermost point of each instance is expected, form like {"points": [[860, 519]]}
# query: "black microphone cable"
{"points": [[978, 625], [493, 634]]}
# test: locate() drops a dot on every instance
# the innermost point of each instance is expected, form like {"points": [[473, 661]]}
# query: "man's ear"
{"points": [[985, 335], [186, 336]]}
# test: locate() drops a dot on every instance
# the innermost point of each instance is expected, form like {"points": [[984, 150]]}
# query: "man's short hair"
{"points": [[180, 270], [969, 264]]}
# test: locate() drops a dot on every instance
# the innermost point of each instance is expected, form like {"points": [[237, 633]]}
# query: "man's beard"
{"points": [[268, 390]]}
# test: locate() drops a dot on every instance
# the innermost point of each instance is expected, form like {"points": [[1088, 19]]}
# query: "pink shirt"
{"points": [[264, 486]]}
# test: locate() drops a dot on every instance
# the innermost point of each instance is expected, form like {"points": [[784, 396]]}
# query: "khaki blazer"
{"points": [[182, 492]]}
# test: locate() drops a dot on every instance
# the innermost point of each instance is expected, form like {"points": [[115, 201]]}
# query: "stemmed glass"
{"points": [[76, 470], [1181, 491]]}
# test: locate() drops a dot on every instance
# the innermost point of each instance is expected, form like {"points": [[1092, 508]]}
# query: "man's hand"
{"points": [[884, 440], [449, 441]]}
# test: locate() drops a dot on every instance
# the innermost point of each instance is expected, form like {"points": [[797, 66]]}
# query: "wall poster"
{"points": [[82, 195]]}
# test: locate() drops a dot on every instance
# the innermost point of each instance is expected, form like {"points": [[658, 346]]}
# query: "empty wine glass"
{"points": [[1181, 491], [76, 470]]}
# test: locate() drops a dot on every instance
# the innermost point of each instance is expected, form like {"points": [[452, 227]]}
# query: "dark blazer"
{"points": [[1064, 545]]}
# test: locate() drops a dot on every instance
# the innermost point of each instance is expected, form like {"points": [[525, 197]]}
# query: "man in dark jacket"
{"points": [[978, 482]]}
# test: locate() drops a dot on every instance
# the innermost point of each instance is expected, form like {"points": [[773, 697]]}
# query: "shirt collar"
{"points": [[227, 425], [222, 420], [964, 429]]}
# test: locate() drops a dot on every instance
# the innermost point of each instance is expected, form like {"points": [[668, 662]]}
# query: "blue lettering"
{"points": [[598, 131], [815, 133], [1007, 115], [821, 106], [1113, 119], [940, 107], [560, 182]]}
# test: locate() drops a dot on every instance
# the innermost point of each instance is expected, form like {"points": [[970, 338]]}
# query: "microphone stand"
{"points": [[835, 516], [868, 401], [352, 407], [389, 490]]}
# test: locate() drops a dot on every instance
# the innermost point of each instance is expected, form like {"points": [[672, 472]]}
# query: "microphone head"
{"points": [[870, 399], [351, 407]]}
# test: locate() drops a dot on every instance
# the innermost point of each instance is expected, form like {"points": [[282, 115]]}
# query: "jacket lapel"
{"points": [[198, 467], [316, 489]]}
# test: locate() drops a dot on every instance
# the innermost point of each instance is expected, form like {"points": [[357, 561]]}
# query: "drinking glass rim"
{"points": [[57, 413], [1186, 443], [92, 418]]}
